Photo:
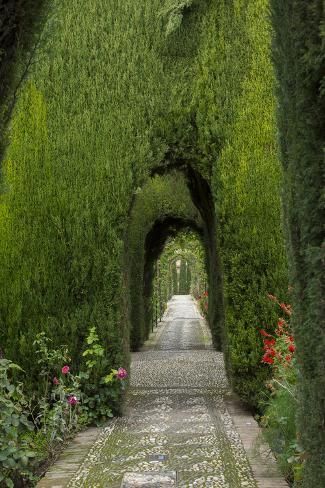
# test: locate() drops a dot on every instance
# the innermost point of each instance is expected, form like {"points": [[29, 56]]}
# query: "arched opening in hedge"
{"points": [[176, 197], [203, 200], [156, 239]]}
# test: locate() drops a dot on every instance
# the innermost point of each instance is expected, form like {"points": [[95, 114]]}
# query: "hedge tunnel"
{"points": [[154, 246], [196, 115]]}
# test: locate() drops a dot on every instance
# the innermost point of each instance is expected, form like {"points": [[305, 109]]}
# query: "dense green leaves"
{"points": [[109, 101], [158, 210], [299, 56]]}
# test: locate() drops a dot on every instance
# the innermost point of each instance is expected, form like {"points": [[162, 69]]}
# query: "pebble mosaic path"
{"points": [[177, 429]]}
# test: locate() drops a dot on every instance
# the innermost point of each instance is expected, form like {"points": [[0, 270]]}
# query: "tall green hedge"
{"points": [[236, 122], [20, 34], [161, 198], [117, 92], [299, 57]]}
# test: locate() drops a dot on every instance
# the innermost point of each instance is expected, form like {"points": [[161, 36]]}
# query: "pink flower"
{"points": [[72, 400], [65, 369], [121, 374], [56, 381]]}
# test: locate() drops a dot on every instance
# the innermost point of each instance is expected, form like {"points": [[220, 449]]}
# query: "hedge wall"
{"points": [[20, 28], [163, 199], [299, 58], [237, 130], [110, 99]]}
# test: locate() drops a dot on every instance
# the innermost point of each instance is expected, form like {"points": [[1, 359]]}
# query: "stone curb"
{"points": [[261, 459], [70, 461]]}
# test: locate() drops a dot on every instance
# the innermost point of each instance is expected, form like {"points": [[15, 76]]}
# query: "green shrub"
{"points": [[280, 431], [299, 60], [279, 418], [17, 452], [33, 427]]}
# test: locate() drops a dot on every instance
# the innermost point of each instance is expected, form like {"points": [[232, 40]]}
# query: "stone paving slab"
{"points": [[149, 480]]}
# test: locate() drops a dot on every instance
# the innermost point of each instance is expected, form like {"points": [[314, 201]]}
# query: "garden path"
{"points": [[177, 421]]}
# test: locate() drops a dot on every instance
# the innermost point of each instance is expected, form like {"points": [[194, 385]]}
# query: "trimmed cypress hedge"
{"points": [[162, 200], [299, 59], [20, 28], [237, 130], [120, 91]]}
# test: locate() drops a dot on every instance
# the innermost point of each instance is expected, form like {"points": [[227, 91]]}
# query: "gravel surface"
{"points": [[175, 418]]}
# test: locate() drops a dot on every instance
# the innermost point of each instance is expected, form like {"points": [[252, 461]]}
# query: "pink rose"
{"points": [[72, 400], [121, 374], [65, 370], [56, 381]]}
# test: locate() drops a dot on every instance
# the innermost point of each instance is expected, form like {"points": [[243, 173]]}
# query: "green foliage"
{"points": [[81, 209], [235, 74], [101, 393], [95, 351], [64, 402], [174, 13], [20, 35], [299, 59], [279, 418], [16, 452], [279, 421], [162, 198]]}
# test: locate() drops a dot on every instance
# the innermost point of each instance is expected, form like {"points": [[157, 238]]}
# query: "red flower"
{"points": [[271, 352], [292, 347], [267, 359], [269, 342], [291, 339], [56, 381], [288, 357]]}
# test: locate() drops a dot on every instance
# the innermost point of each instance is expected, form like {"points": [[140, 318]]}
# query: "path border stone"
{"points": [[261, 459], [70, 460]]}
